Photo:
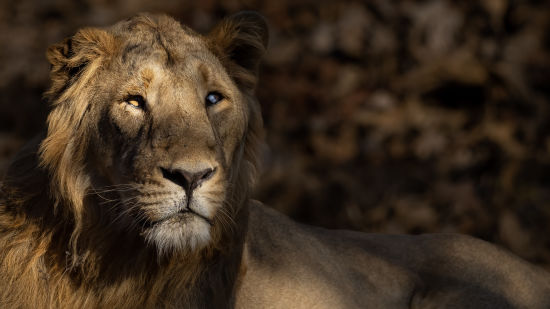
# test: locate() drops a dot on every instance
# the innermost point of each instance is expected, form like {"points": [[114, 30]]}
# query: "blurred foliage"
{"points": [[381, 116]]}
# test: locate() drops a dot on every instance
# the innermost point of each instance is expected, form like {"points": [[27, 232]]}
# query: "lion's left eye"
{"points": [[213, 98]]}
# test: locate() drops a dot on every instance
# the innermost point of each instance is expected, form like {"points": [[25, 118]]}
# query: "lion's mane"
{"points": [[55, 249]]}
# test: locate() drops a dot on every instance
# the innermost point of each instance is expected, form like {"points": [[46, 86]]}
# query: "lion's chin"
{"points": [[184, 232]]}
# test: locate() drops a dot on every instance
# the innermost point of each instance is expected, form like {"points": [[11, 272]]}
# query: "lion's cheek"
{"points": [[125, 120], [230, 133], [230, 144]]}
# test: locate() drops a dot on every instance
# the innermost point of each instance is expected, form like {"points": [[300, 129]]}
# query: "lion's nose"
{"points": [[187, 179]]}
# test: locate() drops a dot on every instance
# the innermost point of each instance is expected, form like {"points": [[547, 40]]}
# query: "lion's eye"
{"points": [[213, 98], [135, 101]]}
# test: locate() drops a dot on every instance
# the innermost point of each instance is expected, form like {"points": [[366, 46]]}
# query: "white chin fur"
{"points": [[176, 235]]}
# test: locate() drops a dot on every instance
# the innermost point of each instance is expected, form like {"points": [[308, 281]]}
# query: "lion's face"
{"points": [[166, 130], [168, 135]]}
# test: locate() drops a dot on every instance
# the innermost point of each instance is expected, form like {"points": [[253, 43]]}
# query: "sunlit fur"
{"points": [[67, 237]]}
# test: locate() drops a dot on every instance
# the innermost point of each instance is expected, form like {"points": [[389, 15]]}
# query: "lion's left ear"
{"points": [[240, 41]]}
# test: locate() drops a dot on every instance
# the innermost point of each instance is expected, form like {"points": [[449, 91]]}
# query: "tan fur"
{"points": [[91, 212]]}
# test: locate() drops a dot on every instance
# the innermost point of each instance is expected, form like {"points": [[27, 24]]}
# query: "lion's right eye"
{"points": [[213, 98], [135, 101]]}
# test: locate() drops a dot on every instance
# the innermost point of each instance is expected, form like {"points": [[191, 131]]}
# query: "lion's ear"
{"points": [[240, 41], [70, 57]]}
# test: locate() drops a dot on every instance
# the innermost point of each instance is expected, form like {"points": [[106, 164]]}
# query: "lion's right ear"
{"points": [[240, 41], [69, 58]]}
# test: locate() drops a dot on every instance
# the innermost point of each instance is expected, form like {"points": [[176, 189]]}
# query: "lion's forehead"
{"points": [[179, 55], [185, 61], [157, 36]]}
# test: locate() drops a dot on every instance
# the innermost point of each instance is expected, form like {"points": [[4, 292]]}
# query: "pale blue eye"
{"points": [[213, 98]]}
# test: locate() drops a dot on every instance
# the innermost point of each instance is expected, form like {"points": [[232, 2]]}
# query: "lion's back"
{"points": [[458, 269], [323, 268]]}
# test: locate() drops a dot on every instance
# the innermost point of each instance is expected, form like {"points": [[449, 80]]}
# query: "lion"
{"points": [[138, 195]]}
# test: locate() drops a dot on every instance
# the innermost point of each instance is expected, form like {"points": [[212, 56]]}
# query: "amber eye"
{"points": [[135, 101], [213, 98]]}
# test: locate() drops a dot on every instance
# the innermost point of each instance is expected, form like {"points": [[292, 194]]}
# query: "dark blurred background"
{"points": [[381, 116]]}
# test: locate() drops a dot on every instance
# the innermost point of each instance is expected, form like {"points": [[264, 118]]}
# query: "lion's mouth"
{"points": [[180, 216]]}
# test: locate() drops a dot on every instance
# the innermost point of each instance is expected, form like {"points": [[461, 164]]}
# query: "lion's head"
{"points": [[157, 126]]}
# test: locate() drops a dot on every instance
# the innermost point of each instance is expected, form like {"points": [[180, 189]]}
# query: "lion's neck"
{"points": [[38, 259]]}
